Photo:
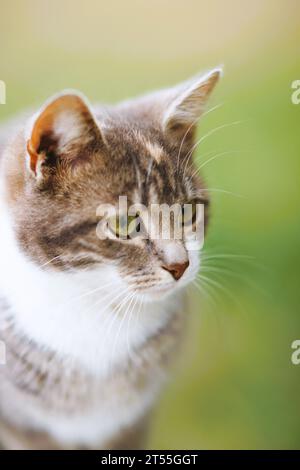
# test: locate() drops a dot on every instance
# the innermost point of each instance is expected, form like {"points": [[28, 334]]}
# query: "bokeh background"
{"points": [[235, 386]]}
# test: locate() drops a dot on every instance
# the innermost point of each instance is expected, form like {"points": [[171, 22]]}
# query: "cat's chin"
{"points": [[158, 293]]}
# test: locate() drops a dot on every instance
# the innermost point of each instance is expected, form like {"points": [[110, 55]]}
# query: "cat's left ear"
{"points": [[187, 103], [62, 134]]}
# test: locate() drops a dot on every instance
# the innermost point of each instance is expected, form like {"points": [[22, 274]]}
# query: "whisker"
{"points": [[190, 127], [129, 349], [202, 139], [121, 324], [224, 191], [237, 275], [141, 307], [102, 299], [51, 260], [220, 287], [204, 292], [111, 320], [225, 255], [90, 292], [213, 298], [79, 256], [115, 311], [138, 319], [214, 157], [210, 256], [213, 108]]}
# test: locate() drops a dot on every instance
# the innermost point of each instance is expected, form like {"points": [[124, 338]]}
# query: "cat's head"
{"points": [[72, 160]]}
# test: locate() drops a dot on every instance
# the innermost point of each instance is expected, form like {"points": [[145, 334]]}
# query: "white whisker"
{"points": [[214, 157], [132, 296], [190, 127], [50, 261], [90, 292], [208, 134], [223, 191], [220, 287], [129, 349]]}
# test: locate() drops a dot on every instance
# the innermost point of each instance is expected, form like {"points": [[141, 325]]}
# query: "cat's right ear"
{"points": [[186, 103], [63, 134]]}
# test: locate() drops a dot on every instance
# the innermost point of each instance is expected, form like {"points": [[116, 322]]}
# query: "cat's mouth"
{"points": [[166, 287]]}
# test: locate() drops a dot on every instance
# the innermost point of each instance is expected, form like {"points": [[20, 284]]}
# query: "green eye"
{"points": [[189, 213], [122, 226]]}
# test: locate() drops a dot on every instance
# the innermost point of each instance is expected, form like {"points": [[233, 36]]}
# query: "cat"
{"points": [[90, 325]]}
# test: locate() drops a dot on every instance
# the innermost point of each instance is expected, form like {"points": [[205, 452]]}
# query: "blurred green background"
{"points": [[236, 386]]}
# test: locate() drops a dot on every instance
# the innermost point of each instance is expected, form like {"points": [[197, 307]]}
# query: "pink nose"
{"points": [[176, 269]]}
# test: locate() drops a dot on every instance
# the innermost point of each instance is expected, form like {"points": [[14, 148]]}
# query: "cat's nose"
{"points": [[176, 269]]}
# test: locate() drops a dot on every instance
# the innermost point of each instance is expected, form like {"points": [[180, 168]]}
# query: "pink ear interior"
{"points": [[45, 123]]}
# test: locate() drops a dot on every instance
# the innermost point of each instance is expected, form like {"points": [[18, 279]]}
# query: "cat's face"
{"points": [[74, 161]]}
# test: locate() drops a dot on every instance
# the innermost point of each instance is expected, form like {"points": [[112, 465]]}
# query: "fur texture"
{"points": [[91, 325]]}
